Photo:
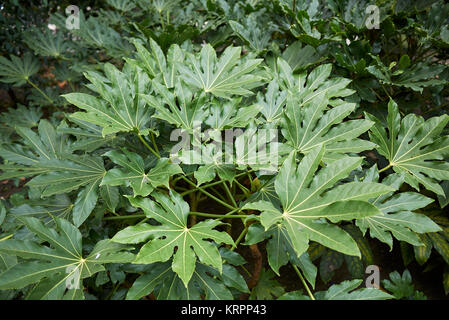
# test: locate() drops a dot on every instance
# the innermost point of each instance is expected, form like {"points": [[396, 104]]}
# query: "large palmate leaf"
{"points": [[172, 213], [119, 108], [58, 206], [122, 5], [134, 172], [70, 174], [56, 270], [155, 64], [231, 114], [397, 218], [312, 114], [306, 203], [96, 33], [89, 136], [267, 287], [402, 286], [416, 77], [280, 250], [27, 117], [252, 33], [306, 87], [223, 77], [346, 290], [160, 279], [211, 163], [180, 108], [272, 102], [414, 146], [48, 158], [35, 149], [300, 57], [17, 70], [307, 125], [46, 43]]}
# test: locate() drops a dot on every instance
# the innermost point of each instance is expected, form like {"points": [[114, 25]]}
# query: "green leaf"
{"points": [[134, 173], [111, 196], [257, 39], [318, 83], [400, 286], [306, 203], [181, 108], [272, 102], [85, 203], [59, 265], [444, 199], [44, 209], [46, 43], [119, 107], [306, 126], [415, 77], [329, 263], [172, 212], [345, 291], [422, 253], [312, 117], [27, 117], [89, 137], [441, 245], [213, 163], [300, 57], [18, 70], [397, 218], [266, 287], [155, 64], [230, 114], [2, 212], [414, 146], [166, 285], [223, 77]]}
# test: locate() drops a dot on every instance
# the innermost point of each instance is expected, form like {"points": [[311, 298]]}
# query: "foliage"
{"points": [[127, 184]]}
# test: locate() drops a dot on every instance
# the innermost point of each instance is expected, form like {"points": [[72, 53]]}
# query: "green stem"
{"points": [[114, 290], [162, 20], [230, 196], [206, 185], [208, 194], [40, 91], [231, 212], [154, 142], [220, 216], [385, 90], [180, 177], [242, 187], [303, 282], [386, 168], [132, 216], [219, 195], [7, 237], [250, 178], [239, 238], [148, 146]]}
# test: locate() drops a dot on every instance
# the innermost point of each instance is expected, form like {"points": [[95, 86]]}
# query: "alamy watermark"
{"points": [[373, 19], [373, 280], [73, 20]]}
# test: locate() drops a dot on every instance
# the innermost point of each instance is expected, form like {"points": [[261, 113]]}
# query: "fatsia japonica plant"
{"points": [[203, 154]]}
